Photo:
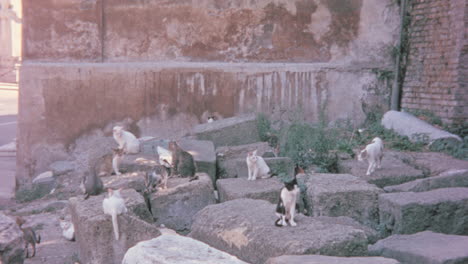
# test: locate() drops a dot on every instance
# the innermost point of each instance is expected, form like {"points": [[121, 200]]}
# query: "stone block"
{"points": [[94, 231], [176, 249], [175, 206], [408, 125], [44, 182], [11, 241], [131, 180], [233, 131], [447, 179], [423, 247], [318, 259], [281, 166], [245, 228], [342, 195], [441, 210], [263, 189], [393, 171], [61, 167], [433, 163]]}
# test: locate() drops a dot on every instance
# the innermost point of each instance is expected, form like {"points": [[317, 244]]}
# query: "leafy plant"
{"points": [[26, 194]]}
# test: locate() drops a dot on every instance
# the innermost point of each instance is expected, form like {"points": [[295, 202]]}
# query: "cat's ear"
{"points": [[254, 153], [110, 191]]}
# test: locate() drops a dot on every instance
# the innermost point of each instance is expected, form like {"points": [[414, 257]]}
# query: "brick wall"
{"points": [[436, 77]]}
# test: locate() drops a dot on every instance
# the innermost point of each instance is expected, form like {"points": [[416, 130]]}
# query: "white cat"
{"points": [[373, 153], [114, 205], [126, 140], [256, 166], [286, 207], [165, 156], [68, 230]]}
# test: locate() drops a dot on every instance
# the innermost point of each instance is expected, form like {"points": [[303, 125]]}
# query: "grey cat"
{"points": [[183, 163], [91, 184]]}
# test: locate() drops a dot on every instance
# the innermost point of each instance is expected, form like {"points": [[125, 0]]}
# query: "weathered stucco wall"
{"points": [[91, 63], [60, 102], [210, 30]]}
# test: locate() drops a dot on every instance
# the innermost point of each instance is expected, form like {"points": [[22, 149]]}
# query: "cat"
{"points": [[91, 184], [209, 117], [114, 205], [126, 140], [30, 236], [286, 207], [109, 163], [68, 230], [257, 167], [158, 175], [164, 155], [183, 163], [373, 153]]}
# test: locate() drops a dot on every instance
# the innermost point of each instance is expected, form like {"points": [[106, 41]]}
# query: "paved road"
{"points": [[8, 112], [8, 123]]}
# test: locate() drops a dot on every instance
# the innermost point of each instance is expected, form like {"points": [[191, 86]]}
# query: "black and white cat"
{"points": [[286, 207]]}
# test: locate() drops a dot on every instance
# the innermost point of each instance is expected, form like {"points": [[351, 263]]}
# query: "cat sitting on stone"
{"points": [[157, 176], [109, 163], [68, 230], [183, 163], [209, 117], [126, 140], [286, 207], [373, 153], [257, 166]]}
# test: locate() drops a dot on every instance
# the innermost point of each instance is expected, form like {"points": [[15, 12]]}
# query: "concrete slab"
{"points": [[342, 195], [317, 259], [423, 247], [441, 210], [393, 171], [447, 179], [263, 189]]}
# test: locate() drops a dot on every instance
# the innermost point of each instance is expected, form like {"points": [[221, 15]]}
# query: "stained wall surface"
{"points": [[90, 63]]}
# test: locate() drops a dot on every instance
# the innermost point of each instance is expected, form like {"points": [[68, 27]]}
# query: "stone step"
{"points": [[342, 195], [246, 229], [175, 206], [263, 189], [447, 179], [318, 259], [175, 249], [281, 166], [423, 247], [233, 131], [94, 232], [393, 171], [441, 210]]}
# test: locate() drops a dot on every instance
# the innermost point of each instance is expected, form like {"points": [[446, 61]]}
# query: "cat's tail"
{"points": [[115, 224], [38, 238], [277, 222]]}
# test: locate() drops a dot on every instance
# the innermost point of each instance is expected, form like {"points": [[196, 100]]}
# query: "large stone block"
{"points": [[433, 163], [342, 195], [317, 259], [11, 241], [174, 207], [408, 125], [245, 228], [130, 180], [263, 189], [447, 179], [175, 249], [393, 171], [423, 247], [233, 131], [94, 231], [281, 166], [441, 210]]}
